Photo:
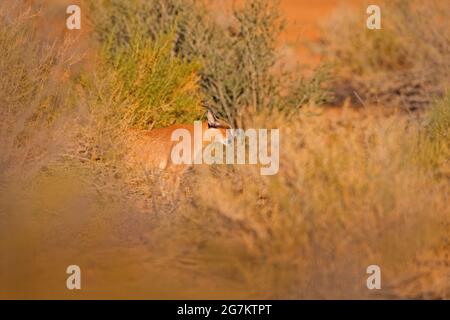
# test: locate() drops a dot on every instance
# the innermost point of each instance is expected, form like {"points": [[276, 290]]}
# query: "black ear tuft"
{"points": [[212, 120]]}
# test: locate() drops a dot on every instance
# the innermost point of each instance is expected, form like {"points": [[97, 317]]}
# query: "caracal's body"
{"points": [[152, 149]]}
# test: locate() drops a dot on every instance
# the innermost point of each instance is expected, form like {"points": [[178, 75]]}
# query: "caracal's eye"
{"points": [[225, 141], [229, 137]]}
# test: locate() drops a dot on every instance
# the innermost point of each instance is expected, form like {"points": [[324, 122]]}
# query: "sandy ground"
{"points": [[303, 23]]}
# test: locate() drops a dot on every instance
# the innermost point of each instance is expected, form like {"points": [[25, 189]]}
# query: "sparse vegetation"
{"points": [[347, 194], [356, 188], [238, 58], [33, 103], [405, 64], [155, 88]]}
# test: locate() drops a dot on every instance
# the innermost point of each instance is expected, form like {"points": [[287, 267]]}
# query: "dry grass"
{"points": [[358, 188], [348, 195], [405, 64], [35, 105]]}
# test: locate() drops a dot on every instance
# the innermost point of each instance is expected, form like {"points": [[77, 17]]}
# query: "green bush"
{"points": [[439, 120], [238, 59], [155, 88], [435, 146]]}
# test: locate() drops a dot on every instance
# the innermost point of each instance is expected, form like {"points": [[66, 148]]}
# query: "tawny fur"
{"points": [[152, 149]]}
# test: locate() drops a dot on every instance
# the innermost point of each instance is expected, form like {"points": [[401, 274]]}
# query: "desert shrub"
{"points": [[118, 22], [36, 100], [348, 195], [45, 190], [439, 120], [434, 146], [403, 64], [313, 90], [238, 58], [353, 189], [156, 88]]}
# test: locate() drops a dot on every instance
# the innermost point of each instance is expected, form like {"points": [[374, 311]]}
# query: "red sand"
{"points": [[303, 23]]}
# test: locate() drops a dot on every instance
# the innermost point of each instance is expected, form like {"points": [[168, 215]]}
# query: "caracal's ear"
{"points": [[212, 120]]}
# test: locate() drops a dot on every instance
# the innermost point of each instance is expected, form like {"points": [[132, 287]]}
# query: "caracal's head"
{"points": [[220, 130]]}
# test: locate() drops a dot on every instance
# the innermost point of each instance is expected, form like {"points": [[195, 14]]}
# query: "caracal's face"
{"points": [[224, 136], [153, 149]]}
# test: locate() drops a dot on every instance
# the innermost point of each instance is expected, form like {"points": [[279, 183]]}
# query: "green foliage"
{"points": [[434, 149], [238, 58], [439, 120], [118, 21], [155, 88]]}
